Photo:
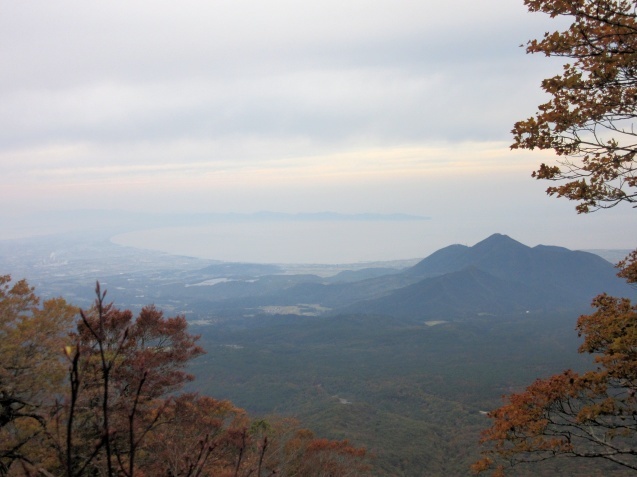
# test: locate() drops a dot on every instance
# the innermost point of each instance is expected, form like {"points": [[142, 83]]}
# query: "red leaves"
{"points": [[121, 368], [191, 437], [202, 436], [589, 415], [120, 415], [593, 103], [160, 347], [588, 123], [151, 345], [628, 267]]}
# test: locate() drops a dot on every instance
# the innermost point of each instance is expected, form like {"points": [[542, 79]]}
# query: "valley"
{"points": [[403, 358]]}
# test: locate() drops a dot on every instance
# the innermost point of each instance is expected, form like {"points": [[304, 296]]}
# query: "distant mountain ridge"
{"points": [[496, 276], [500, 274], [503, 257]]}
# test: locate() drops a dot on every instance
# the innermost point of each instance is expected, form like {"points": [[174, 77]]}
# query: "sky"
{"points": [[355, 106]]}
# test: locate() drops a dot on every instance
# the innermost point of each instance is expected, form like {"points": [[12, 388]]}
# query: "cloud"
{"points": [[208, 157], [425, 180], [243, 105], [372, 71]]}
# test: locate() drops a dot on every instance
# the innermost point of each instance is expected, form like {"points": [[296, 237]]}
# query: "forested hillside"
{"points": [[96, 392], [408, 377]]}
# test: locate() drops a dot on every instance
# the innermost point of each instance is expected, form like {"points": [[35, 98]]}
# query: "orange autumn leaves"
{"points": [[588, 120], [32, 334], [217, 439], [592, 415], [103, 400], [588, 123]]}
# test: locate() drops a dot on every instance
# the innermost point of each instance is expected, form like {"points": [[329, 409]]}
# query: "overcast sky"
{"points": [[351, 106]]}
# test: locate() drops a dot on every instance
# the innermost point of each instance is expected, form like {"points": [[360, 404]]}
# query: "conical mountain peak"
{"points": [[499, 241], [500, 273]]}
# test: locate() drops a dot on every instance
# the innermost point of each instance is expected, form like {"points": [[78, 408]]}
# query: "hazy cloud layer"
{"points": [[242, 105], [343, 72]]}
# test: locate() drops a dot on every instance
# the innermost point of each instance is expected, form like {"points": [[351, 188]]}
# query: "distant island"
{"points": [[319, 216]]}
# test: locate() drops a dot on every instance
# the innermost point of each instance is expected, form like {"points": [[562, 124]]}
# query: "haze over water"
{"points": [[290, 242], [208, 107]]}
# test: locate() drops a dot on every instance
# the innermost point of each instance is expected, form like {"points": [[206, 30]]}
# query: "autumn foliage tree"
{"points": [[215, 438], [588, 120], [192, 437], [588, 123], [121, 371], [32, 369], [590, 415], [103, 400]]}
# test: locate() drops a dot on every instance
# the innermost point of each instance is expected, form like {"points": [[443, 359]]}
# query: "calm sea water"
{"points": [[291, 242]]}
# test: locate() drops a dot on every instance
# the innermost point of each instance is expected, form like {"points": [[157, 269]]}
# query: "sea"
{"points": [[315, 242]]}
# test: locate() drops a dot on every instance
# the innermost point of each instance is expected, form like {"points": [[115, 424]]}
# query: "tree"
{"points": [[592, 415], [588, 121], [32, 370], [118, 413], [316, 457], [192, 437], [214, 438], [121, 371]]}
